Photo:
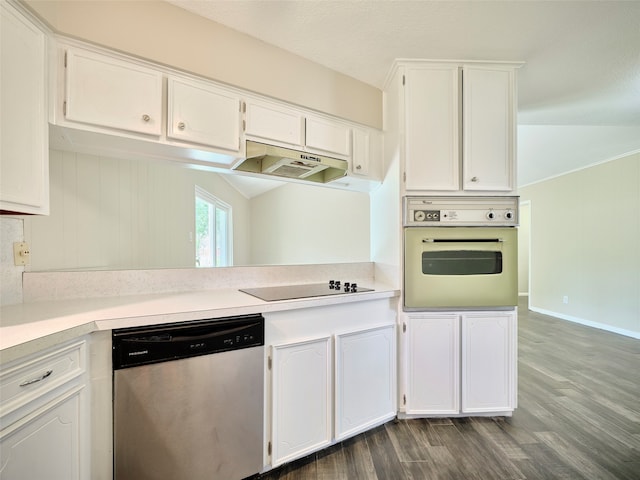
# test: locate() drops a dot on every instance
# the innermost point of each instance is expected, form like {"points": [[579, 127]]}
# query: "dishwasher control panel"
{"points": [[160, 343]]}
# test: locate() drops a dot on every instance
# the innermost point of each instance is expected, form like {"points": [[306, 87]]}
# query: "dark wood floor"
{"points": [[578, 418]]}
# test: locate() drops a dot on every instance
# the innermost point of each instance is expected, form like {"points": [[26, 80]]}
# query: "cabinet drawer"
{"points": [[30, 378]]}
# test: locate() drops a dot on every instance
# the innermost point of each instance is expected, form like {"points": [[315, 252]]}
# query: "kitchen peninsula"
{"points": [[60, 347]]}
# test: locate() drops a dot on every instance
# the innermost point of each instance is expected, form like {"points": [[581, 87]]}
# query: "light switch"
{"points": [[21, 253]]}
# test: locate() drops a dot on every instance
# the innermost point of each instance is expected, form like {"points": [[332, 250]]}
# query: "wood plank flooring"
{"points": [[578, 418]]}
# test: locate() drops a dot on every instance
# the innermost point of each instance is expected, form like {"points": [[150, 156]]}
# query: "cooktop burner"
{"points": [[291, 292]]}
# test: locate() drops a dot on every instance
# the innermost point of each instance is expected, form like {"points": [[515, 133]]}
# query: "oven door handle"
{"points": [[463, 240]]}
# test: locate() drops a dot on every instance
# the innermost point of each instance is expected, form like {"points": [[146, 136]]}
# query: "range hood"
{"points": [[288, 163]]}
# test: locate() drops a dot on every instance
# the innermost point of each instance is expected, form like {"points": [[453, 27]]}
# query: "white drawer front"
{"points": [[25, 380]]}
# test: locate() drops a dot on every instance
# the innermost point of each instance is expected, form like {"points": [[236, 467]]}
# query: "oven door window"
{"points": [[462, 262]]}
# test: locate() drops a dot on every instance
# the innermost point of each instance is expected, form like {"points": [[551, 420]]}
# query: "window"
{"points": [[213, 231]]}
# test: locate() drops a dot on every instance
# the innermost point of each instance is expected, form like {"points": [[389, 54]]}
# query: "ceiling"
{"points": [[578, 92]]}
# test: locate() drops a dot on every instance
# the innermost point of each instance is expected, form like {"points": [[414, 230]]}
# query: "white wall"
{"points": [[11, 231], [585, 245], [309, 224], [524, 233]]}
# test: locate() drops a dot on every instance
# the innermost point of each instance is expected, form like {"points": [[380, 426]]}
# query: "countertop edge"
{"points": [[21, 339]]}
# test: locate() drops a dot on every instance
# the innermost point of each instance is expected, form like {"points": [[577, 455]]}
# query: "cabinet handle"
{"points": [[146, 117], [37, 379], [474, 179], [181, 126]]}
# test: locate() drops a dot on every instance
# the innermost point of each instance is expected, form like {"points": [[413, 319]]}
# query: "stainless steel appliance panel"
{"points": [[198, 418]]}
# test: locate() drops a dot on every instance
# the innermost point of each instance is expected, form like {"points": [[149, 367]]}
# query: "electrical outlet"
{"points": [[21, 254], [565, 299]]}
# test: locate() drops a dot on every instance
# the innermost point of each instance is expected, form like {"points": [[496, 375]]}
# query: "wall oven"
{"points": [[460, 252]]}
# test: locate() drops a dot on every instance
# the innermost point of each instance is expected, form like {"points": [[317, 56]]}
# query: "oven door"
{"points": [[460, 267]]}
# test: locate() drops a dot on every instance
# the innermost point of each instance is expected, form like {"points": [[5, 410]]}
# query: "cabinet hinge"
{"points": [[243, 107], [244, 125], [64, 108], [65, 59], [404, 177], [269, 448], [404, 399], [269, 363], [403, 79], [404, 327]]}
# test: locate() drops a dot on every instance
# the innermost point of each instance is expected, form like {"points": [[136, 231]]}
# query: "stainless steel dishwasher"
{"points": [[188, 400]]}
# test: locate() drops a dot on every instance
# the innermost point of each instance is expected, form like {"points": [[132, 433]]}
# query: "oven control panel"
{"points": [[460, 211]]}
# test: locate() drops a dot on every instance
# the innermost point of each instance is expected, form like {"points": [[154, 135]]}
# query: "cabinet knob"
{"points": [[474, 179], [181, 126], [146, 117], [358, 167]]}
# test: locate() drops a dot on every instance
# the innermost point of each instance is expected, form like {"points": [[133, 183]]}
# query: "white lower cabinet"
{"points": [[45, 445], [332, 375], [44, 432], [433, 366], [301, 384], [461, 363], [489, 362], [364, 378], [301, 398]]}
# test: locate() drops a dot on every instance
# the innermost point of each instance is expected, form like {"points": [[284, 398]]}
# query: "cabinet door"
{"points": [[433, 368], [301, 399], [489, 128], [24, 149], [107, 92], [365, 380], [367, 153], [199, 113], [46, 445], [488, 362], [432, 123], [274, 122], [326, 136]]}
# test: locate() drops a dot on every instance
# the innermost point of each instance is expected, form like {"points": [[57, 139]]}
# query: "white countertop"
{"points": [[31, 326]]}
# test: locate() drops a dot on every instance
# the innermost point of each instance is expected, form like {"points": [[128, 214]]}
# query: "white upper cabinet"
{"points": [[24, 149], [432, 113], [366, 154], [459, 122], [328, 136], [107, 92], [201, 113], [489, 128], [284, 125], [107, 102], [271, 121]]}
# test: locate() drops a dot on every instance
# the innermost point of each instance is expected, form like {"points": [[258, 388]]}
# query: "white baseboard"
{"points": [[588, 323]]}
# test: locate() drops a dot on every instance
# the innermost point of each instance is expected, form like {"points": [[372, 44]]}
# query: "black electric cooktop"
{"points": [[291, 292]]}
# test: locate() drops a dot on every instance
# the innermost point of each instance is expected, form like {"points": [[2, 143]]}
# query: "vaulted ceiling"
{"points": [[579, 90]]}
